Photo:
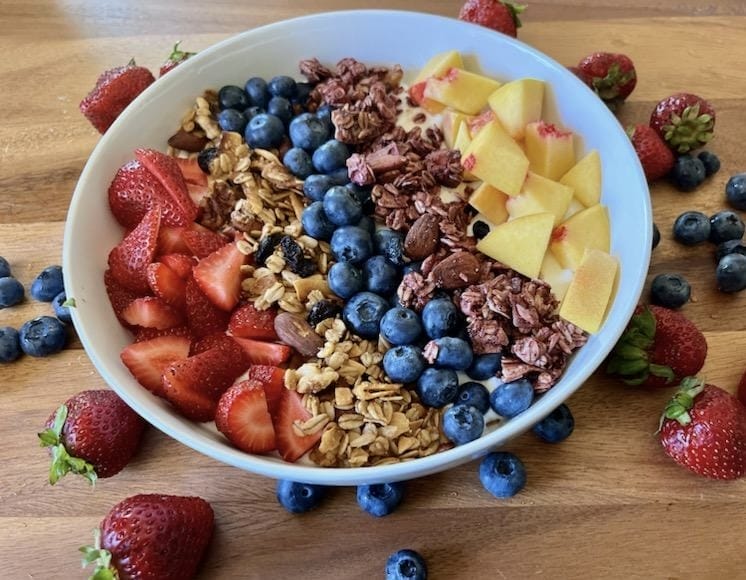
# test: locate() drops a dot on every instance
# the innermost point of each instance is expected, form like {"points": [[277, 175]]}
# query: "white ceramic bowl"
{"points": [[383, 37]]}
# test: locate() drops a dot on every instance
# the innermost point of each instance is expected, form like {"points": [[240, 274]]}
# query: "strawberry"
{"points": [[202, 242], [197, 193], [219, 276], [658, 349], [273, 381], [704, 429], [166, 170], [217, 340], [119, 296], [142, 334], [147, 360], [203, 316], [174, 59], [684, 121], [179, 263], [243, 417], [115, 89], [171, 241], [152, 312], [498, 15], [129, 260], [93, 434], [612, 76], [191, 171], [581, 75], [264, 353], [655, 156], [248, 322], [741, 393], [152, 536], [290, 444], [167, 285]]}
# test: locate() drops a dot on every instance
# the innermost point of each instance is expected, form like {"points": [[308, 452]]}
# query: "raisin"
{"points": [[322, 310], [266, 247], [480, 229], [295, 260], [205, 157]]}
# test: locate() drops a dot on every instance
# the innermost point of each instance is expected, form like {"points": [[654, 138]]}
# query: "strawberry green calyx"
{"points": [[62, 462], [515, 11], [177, 55], [679, 406], [608, 87], [102, 558], [689, 130]]}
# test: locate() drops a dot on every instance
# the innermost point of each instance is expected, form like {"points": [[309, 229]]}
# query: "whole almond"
{"points": [[456, 271], [422, 237], [294, 330], [187, 141]]}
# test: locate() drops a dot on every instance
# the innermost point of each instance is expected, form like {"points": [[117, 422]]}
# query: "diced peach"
{"points": [[585, 179], [588, 296], [493, 156], [550, 150], [490, 202], [451, 124], [517, 104], [476, 124], [587, 229], [460, 89], [556, 276], [540, 195]]}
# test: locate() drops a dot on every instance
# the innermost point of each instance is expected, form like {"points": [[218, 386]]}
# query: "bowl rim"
{"points": [[351, 475]]}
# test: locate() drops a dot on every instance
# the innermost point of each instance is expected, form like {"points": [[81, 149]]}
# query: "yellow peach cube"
{"points": [[494, 156], [550, 151], [540, 195], [590, 291], [451, 124], [490, 202], [460, 89], [587, 229], [585, 179], [517, 104], [439, 64]]}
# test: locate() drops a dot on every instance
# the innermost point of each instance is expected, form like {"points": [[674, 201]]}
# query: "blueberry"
{"points": [[60, 310], [390, 244], [298, 162], [656, 236], [315, 186], [691, 227], [710, 161], [502, 474], [342, 208], [42, 336], [406, 565], [729, 247], [453, 353], [485, 366], [688, 173], [404, 364], [731, 273], [47, 284], [256, 89], [363, 313], [735, 191], [299, 497], [351, 244], [10, 347], [308, 132], [557, 426], [232, 97], [380, 499], [281, 86], [381, 276], [670, 290], [232, 120], [302, 92], [400, 325], [324, 112], [412, 267], [339, 176], [315, 223], [475, 395], [322, 310], [345, 279], [440, 317], [725, 225], [368, 224], [205, 157], [480, 229], [252, 112], [264, 131], [511, 399], [437, 387], [11, 292], [462, 424], [330, 156], [281, 108], [4, 268]]}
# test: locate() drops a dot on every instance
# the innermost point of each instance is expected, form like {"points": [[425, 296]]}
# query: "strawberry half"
{"points": [[167, 285], [174, 59], [291, 444], [684, 121], [119, 297], [202, 315], [129, 260], [171, 241], [202, 242], [166, 170], [273, 381], [248, 322], [243, 417], [148, 359], [142, 334], [264, 353], [179, 263], [655, 156], [152, 312], [219, 276]]}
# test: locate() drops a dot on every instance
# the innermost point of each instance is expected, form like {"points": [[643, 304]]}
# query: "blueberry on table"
{"points": [[257, 91], [282, 86], [670, 290], [264, 131], [511, 399], [437, 387], [400, 325], [691, 227], [726, 225], [61, 310], [729, 247], [688, 173], [280, 107], [381, 276], [341, 207], [298, 497], [315, 186], [4, 268], [232, 97], [463, 424], [453, 353], [298, 162], [404, 364], [380, 499], [351, 244], [363, 313], [47, 284], [232, 120], [390, 244], [308, 132], [474, 395], [555, 427], [656, 236], [406, 565], [345, 279], [735, 191], [11, 292], [10, 346], [330, 156], [710, 161], [440, 317], [502, 474], [315, 223], [485, 366], [731, 273], [42, 336]]}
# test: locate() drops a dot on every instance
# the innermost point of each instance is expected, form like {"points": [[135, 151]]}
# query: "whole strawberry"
{"points": [[581, 75], [93, 434], [499, 15], [684, 121], [655, 156], [115, 89], [612, 76], [658, 349], [704, 429], [176, 57], [151, 536], [741, 393]]}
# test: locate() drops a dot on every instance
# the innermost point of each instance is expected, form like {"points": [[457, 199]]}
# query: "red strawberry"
{"points": [[94, 434], [152, 312], [129, 260], [684, 121], [167, 285], [152, 536], [290, 443], [498, 15], [273, 381], [142, 334], [248, 322], [203, 316], [179, 263], [219, 276], [704, 429], [197, 192], [119, 296], [658, 349], [176, 57], [171, 241], [243, 417], [655, 156], [218, 340], [264, 353], [581, 75], [191, 170], [742, 389], [202, 242], [148, 359], [115, 89], [166, 170], [612, 76]]}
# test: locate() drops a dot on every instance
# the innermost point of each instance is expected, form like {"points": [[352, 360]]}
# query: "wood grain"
{"points": [[604, 504]]}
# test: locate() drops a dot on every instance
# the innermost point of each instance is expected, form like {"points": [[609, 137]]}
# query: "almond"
{"points": [[456, 271], [422, 238], [187, 141], [294, 330]]}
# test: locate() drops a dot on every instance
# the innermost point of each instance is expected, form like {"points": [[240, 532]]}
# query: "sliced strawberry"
{"points": [[248, 322], [191, 171], [243, 417], [219, 276], [129, 260], [179, 263], [143, 334], [203, 316], [218, 340], [290, 409], [148, 359], [166, 170], [152, 312], [264, 353], [171, 241], [273, 381], [167, 285], [197, 192], [119, 296], [202, 242]]}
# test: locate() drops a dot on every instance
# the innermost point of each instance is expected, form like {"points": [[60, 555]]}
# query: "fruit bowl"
{"points": [[374, 37]]}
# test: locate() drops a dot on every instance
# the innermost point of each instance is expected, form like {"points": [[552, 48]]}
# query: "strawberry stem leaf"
{"points": [[682, 402], [629, 358], [688, 130], [515, 10], [62, 462], [102, 558]]}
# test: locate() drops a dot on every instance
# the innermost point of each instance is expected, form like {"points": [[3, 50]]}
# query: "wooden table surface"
{"points": [[605, 504]]}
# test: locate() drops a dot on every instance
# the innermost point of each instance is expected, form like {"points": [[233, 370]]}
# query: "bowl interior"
{"points": [[381, 37]]}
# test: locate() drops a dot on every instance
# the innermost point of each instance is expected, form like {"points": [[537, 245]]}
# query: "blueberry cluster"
{"points": [[43, 335], [689, 172]]}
